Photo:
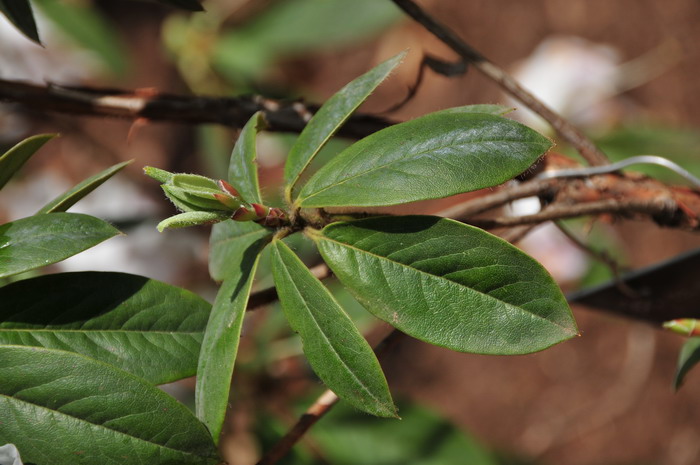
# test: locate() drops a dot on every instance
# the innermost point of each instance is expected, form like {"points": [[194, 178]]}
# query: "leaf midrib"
{"points": [[518, 309], [409, 155]]}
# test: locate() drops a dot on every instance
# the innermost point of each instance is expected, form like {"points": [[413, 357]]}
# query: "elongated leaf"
{"points": [[330, 117], [68, 199], [19, 12], [227, 240], [687, 359], [449, 284], [44, 239], [143, 326], [336, 350], [243, 169], [62, 408], [438, 155], [12, 160], [220, 344]]}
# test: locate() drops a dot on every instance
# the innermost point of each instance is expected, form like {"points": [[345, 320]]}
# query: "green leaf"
{"points": [[243, 170], [336, 350], [435, 156], [70, 198], [148, 328], [347, 437], [226, 242], [19, 12], [12, 160], [687, 359], [88, 28], [330, 117], [184, 220], [448, 284], [45, 239], [220, 344], [62, 408], [299, 27], [497, 110]]}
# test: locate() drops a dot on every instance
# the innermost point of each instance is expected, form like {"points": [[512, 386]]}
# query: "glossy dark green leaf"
{"points": [[62, 408], [687, 359], [68, 199], [243, 169], [435, 156], [220, 344], [449, 284], [330, 117], [20, 13], [227, 240], [44, 239], [12, 160], [146, 327], [336, 350]]}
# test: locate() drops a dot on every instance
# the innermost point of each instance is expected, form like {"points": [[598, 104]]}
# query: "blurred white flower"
{"points": [[573, 76], [9, 455]]}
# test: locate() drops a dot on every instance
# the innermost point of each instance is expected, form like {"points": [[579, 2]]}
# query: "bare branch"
{"points": [[585, 146], [155, 106]]}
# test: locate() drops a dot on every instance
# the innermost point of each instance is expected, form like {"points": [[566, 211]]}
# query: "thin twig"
{"points": [[501, 197], [602, 257], [155, 106], [576, 138], [650, 207], [318, 409]]}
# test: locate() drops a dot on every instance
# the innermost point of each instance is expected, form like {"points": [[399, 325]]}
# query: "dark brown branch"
{"points": [[317, 410], [585, 146], [155, 106]]}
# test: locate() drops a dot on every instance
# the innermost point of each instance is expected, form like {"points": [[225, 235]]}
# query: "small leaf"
{"points": [[220, 344], [19, 12], [243, 169], [148, 328], [226, 242], [435, 156], [687, 359], [448, 284], [330, 117], [12, 160], [68, 199], [337, 352], [41, 240], [184, 220], [66, 408]]}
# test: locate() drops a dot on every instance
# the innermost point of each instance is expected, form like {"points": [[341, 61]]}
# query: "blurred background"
{"points": [[625, 71]]}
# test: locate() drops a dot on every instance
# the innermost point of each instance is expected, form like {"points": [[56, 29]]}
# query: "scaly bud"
{"points": [[243, 214], [226, 187]]}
